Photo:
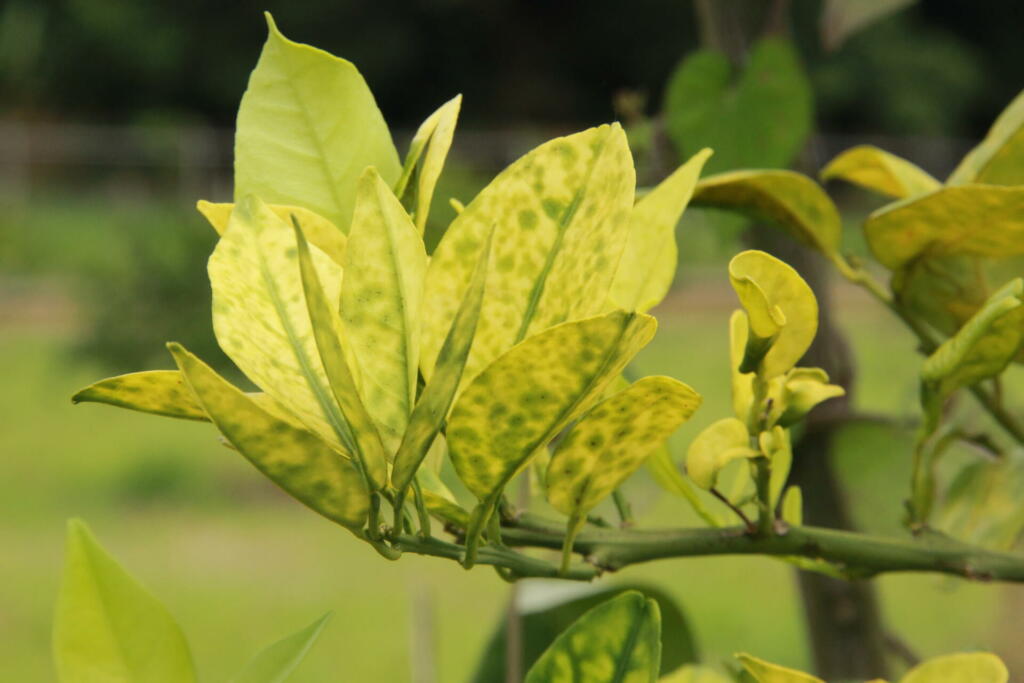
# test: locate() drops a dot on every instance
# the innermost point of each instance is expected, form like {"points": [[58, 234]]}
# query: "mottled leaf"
{"points": [[943, 289], [616, 642], [648, 264], [277, 662], [160, 392], [966, 667], [716, 446], [999, 158], [307, 127], [109, 628], [788, 199], [879, 171], [318, 230], [766, 672], [560, 217], [435, 136], [294, 459]]}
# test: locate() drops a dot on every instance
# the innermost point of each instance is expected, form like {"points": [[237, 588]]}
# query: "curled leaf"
{"points": [[879, 171], [434, 136], [716, 446]]}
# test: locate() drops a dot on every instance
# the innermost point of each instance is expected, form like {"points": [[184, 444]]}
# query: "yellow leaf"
{"points": [[999, 158], [160, 392], [716, 446], [648, 264], [742, 382], [793, 506], [560, 217], [776, 447], [435, 136], [966, 667], [766, 672], [879, 171]]}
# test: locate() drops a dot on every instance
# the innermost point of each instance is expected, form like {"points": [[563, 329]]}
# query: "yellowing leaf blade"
{"points": [[766, 672], [965, 667], [879, 171], [160, 392], [999, 158], [716, 446]]}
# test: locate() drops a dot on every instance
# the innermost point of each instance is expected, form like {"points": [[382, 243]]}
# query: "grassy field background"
{"points": [[241, 565]]}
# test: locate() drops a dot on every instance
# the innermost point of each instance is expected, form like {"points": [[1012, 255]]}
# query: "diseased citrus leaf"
{"points": [[560, 217], [109, 628], [943, 289], [767, 287], [435, 136], [766, 672], [716, 446], [381, 296], [277, 662], [965, 667], [429, 414], [160, 392], [448, 511], [618, 641], [667, 475], [294, 459], [261, 320], [879, 171], [788, 199], [982, 504], [318, 230], [307, 127], [999, 158], [983, 220], [648, 264]]}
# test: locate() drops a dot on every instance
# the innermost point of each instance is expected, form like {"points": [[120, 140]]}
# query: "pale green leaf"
{"points": [[742, 383], [618, 641], [648, 264], [560, 217], [160, 392], [983, 220], [796, 393], [435, 136], [982, 504], [294, 459], [109, 628], [999, 158], [716, 446], [277, 662], [766, 672], [793, 506], [775, 446], [381, 300], [307, 127], [966, 667], [318, 230], [788, 199], [879, 171]]}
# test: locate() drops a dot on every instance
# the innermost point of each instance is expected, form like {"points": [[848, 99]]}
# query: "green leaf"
{"points": [[695, 674], [766, 672], [966, 667], [318, 230], [432, 408], [982, 504], [667, 475], [879, 171], [381, 299], [999, 158], [793, 506], [616, 642], [788, 199], [775, 446], [843, 18], [277, 662], [648, 264], [984, 220], [294, 459], [160, 392], [944, 289], [560, 217], [307, 127], [716, 446], [109, 628], [768, 287], [760, 122], [435, 136]]}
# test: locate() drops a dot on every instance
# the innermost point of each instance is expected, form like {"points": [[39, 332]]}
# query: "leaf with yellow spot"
{"points": [[296, 460], [610, 442], [964, 667], [766, 672], [435, 136], [560, 216], [618, 641], [982, 220], [318, 230], [381, 296], [790, 200], [773, 293], [999, 158], [160, 392], [879, 171], [716, 446], [648, 264], [307, 127], [529, 394]]}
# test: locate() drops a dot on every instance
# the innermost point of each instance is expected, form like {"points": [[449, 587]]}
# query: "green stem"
{"points": [[421, 508], [522, 566], [571, 530], [623, 507], [763, 478]]}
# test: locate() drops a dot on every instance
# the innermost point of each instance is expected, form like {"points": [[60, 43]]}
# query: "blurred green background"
{"points": [[117, 116]]}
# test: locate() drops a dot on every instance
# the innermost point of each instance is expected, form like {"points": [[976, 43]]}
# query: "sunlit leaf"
{"points": [[879, 171], [307, 127], [160, 392], [967, 667], [616, 642], [560, 217], [381, 297], [318, 230], [277, 662], [788, 199], [435, 136], [985, 220], [648, 264], [766, 672], [294, 459], [796, 393], [716, 446], [109, 628], [999, 158]]}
